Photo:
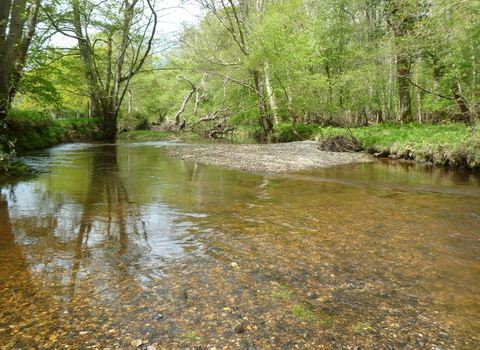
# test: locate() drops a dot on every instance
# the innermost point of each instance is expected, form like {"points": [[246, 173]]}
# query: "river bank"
{"points": [[269, 158], [451, 145], [455, 145]]}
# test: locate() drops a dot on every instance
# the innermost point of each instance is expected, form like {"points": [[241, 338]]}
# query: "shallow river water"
{"points": [[120, 246]]}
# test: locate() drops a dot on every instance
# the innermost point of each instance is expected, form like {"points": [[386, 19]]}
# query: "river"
{"points": [[120, 246]]}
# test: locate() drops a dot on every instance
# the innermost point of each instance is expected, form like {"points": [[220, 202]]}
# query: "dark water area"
{"points": [[120, 246]]}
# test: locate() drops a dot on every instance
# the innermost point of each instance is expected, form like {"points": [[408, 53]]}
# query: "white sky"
{"points": [[170, 20], [174, 13]]}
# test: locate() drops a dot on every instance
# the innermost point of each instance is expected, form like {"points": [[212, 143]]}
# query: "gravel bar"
{"points": [[268, 158]]}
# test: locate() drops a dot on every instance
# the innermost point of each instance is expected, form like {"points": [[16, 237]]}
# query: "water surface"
{"points": [[122, 246]]}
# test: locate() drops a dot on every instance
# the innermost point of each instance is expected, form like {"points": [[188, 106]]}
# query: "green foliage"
{"points": [[32, 130], [80, 129], [41, 89], [35, 130], [332, 61], [133, 122], [283, 131]]}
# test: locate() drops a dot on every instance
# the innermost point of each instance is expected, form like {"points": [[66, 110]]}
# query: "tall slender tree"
{"points": [[403, 18]]}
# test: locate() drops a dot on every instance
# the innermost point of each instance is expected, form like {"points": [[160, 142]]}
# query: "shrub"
{"points": [[283, 132]]}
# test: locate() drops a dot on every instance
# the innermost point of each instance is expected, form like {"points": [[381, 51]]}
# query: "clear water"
{"points": [[117, 245]]}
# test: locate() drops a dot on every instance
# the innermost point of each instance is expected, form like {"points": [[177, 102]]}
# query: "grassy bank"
{"points": [[456, 145], [35, 130]]}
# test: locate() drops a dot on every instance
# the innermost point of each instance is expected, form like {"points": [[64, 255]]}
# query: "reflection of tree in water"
{"points": [[108, 217], [15, 276], [83, 272], [21, 299]]}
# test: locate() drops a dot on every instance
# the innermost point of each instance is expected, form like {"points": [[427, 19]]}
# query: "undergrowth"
{"points": [[29, 130]]}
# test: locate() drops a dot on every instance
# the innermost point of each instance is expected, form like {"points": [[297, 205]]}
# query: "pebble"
{"points": [[136, 342], [269, 158]]}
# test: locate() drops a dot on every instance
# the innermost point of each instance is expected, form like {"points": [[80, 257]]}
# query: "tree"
{"points": [[18, 20], [54, 82], [403, 18], [238, 19], [114, 41], [449, 60]]}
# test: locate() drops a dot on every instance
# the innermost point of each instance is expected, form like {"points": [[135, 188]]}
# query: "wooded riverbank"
{"points": [[456, 144]]}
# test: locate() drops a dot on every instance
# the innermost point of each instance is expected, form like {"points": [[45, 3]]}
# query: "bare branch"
{"points": [[430, 92]]}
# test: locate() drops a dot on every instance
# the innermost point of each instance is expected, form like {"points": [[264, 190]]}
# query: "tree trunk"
{"points": [[109, 116], [294, 121], [405, 115], [185, 101], [265, 120], [108, 74], [465, 117], [16, 32], [271, 93], [400, 18]]}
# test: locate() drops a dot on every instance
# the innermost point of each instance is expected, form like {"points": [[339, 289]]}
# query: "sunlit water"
{"points": [[120, 246]]}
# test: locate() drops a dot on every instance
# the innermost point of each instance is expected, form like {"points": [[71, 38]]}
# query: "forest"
{"points": [[244, 63]]}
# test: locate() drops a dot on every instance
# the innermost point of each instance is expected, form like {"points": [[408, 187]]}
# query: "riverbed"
{"points": [[122, 246]]}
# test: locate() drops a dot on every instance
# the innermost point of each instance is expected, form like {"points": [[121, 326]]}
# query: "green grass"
{"points": [[30, 130], [283, 132], [455, 145]]}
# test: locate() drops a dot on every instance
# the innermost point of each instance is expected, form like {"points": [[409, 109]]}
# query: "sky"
{"points": [[177, 14], [172, 16]]}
